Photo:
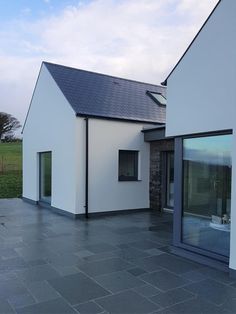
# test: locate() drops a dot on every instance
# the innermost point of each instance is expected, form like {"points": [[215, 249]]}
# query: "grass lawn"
{"points": [[10, 170]]}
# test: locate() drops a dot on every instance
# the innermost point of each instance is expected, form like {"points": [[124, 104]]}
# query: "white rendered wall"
{"points": [[51, 126], [202, 89], [106, 193]]}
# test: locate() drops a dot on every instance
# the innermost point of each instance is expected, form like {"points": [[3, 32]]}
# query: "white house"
{"points": [[202, 119], [97, 143], [83, 148]]}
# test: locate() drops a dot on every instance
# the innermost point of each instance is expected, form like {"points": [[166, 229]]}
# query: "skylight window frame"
{"points": [[150, 94]]}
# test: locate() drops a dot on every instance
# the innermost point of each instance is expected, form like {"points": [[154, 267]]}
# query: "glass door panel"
{"points": [[170, 180], [207, 193], [46, 177]]}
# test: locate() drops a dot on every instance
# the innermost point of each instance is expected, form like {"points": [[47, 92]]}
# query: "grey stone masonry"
{"points": [[157, 182]]}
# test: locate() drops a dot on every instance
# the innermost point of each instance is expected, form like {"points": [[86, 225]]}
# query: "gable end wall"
{"points": [[50, 126]]}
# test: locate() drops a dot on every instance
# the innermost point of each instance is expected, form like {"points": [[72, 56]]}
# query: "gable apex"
{"points": [[164, 83]]}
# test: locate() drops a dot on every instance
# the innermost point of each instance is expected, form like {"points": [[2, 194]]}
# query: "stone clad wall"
{"points": [[156, 164]]}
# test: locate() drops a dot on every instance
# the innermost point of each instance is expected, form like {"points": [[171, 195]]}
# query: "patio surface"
{"points": [[114, 264]]}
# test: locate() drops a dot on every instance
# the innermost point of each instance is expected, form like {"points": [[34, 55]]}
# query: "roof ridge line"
{"points": [[102, 74]]}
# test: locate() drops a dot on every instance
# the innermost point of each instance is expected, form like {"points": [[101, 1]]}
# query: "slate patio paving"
{"points": [[111, 264]]}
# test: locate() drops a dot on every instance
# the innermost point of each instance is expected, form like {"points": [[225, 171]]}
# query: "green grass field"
{"points": [[10, 170]]}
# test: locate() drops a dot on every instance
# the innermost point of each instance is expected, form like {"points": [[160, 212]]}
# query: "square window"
{"points": [[128, 165]]}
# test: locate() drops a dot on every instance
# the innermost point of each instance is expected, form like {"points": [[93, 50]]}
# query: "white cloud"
{"points": [[136, 39]]}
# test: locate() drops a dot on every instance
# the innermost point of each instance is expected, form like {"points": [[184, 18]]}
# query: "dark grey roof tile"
{"points": [[96, 94]]}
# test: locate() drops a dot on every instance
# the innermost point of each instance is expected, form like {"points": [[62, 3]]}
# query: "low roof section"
{"points": [[103, 96], [156, 133]]}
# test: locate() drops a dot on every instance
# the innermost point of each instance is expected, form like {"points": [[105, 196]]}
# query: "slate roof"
{"points": [[104, 96]]}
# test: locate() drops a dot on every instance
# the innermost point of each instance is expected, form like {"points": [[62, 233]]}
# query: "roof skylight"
{"points": [[157, 97]]}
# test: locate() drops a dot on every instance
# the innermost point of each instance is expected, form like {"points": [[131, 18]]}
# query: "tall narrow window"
{"points": [[207, 193], [45, 177], [170, 180], [128, 165]]}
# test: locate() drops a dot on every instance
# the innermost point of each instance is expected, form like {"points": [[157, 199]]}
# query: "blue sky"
{"points": [[26, 9], [136, 39], [211, 150]]}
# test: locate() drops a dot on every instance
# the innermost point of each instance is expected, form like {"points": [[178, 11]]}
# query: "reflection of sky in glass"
{"points": [[211, 149]]}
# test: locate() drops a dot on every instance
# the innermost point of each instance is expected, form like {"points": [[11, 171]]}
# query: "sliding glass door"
{"points": [[207, 193], [45, 162]]}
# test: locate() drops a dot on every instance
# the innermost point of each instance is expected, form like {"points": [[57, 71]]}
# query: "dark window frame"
{"points": [[40, 197], [165, 175], [149, 93], [136, 165], [178, 197]]}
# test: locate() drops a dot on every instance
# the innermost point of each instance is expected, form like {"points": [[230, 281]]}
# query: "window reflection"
{"points": [[207, 192], [45, 176], [170, 180]]}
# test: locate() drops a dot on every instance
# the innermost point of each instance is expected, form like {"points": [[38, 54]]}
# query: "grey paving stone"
{"points": [[104, 266], [37, 262], [57, 306], [12, 264], [84, 253], [8, 276], [42, 291], [131, 254], [33, 253], [89, 308], [67, 270], [118, 281], [99, 256], [8, 253], [123, 246], [5, 307], [101, 248], [119, 243], [195, 306], [147, 290], [164, 280], [127, 230], [163, 311], [217, 275], [78, 288], [194, 276], [172, 297], [146, 245], [136, 271], [63, 260], [127, 302], [230, 305], [38, 273], [175, 264], [233, 285], [149, 264], [21, 300], [11, 288], [154, 251], [212, 291]]}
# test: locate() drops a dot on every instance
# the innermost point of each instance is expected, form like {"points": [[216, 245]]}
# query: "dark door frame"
{"points": [[164, 180], [41, 200], [178, 197]]}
